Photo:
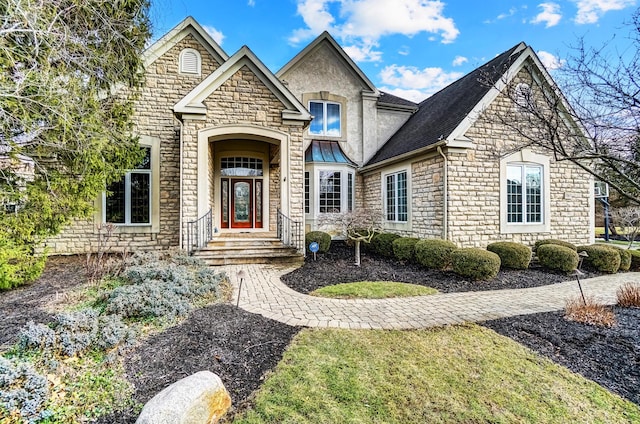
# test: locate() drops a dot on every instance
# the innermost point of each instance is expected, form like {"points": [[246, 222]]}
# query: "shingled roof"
{"points": [[390, 99], [439, 115]]}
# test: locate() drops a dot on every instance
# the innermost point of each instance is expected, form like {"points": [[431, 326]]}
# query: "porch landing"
{"points": [[248, 248]]}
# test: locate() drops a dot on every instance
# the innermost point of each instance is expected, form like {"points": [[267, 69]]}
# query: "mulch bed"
{"points": [[337, 266], [242, 347], [608, 356]]}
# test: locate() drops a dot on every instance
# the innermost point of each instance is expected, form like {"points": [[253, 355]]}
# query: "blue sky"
{"points": [[410, 48]]}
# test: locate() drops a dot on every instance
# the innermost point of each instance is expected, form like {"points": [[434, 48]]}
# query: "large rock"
{"points": [[200, 398]]}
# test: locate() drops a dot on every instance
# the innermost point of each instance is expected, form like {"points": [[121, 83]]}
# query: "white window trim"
{"points": [[198, 62], [154, 225], [324, 111], [526, 157], [396, 225], [314, 195], [386, 198]]}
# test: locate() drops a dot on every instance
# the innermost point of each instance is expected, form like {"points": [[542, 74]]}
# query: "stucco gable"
{"points": [[187, 27], [327, 42], [194, 102]]}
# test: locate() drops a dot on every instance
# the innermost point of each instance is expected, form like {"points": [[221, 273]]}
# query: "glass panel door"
{"points": [[241, 203]]}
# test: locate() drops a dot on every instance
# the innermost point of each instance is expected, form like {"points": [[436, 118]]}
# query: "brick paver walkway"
{"points": [[263, 293]]}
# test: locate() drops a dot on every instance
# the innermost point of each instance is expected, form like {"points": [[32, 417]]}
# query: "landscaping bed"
{"points": [[337, 266]]}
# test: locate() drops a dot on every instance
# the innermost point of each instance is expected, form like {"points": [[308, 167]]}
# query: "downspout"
{"points": [[181, 235], [445, 211]]}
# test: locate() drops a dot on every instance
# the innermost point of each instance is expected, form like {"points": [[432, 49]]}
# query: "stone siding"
{"points": [[164, 86]]}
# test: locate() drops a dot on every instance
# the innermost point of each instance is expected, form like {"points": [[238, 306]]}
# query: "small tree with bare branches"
{"points": [[358, 226], [628, 219]]}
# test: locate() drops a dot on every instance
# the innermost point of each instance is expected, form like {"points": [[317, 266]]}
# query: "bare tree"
{"points": [[358, 226], [591, 117], [628, 219]]}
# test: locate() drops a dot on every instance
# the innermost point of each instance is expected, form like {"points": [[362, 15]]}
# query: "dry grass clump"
{"points": [[629, 295], [589, 312]]}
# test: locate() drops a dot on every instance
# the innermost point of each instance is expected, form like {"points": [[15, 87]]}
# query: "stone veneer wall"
{"points": [[244, 99], [474, 190], [164, 87]]}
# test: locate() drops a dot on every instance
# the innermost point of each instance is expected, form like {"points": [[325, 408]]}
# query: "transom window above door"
{"points": [[326, 118], [241, 167]]}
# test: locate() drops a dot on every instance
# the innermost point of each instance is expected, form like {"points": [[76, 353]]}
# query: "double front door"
{"points": [[241, 203]]}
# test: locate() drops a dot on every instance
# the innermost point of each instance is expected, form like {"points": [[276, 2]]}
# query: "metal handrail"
{"points": [[199, 232], [289, 231]]}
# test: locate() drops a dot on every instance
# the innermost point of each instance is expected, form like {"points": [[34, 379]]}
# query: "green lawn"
{"points": [[373, 290], [459, 374]]}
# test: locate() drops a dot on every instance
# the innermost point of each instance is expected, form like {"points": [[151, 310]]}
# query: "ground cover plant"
{"points": [[69, 368], [447, 375], [373, 290]]}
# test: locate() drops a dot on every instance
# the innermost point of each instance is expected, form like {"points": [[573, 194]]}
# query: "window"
{"points": [[307, 192], [326, 118], [129, 200], [189, 62], [330, 192], [396, 197], [524, 193], [350, 192], [525, 199]]}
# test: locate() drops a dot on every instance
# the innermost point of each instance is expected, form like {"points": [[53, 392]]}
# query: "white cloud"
{"points": [[404, 51], [502, 16], [550, 61], [251, 3], [550, 15], [416, 84], [459, 61], [590, 11], [364, 53], [368, 20], [217, 36]]}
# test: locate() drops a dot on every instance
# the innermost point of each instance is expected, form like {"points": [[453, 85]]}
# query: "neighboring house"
{"points": [[228, 139]]}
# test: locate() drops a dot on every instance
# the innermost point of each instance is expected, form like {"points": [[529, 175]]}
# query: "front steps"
{"points": [[248, 248]]}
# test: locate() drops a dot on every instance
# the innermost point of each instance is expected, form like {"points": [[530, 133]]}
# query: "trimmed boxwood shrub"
{"points": [[556, 242], [556, 257], [382, 244], [603, 258], [625, 258], [404, 248], [434, 253], [323, 239], [475, 263], [512, 255], [635, 260]]}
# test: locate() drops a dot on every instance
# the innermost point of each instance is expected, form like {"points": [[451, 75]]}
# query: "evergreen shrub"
{"points": [[404, 248], [557, 257], [382, 244], [475, 263], [602, 258], [434, 253], [554, 241], [323, 239], [512, 255]]}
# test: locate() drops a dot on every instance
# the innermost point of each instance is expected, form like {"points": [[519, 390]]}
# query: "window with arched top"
{"points": [[190, 62]]}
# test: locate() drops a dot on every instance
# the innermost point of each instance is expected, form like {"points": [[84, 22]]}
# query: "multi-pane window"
{"points": [[396, 197], [129, 200], [307, 193], [330, 192], [524, 193], [350, 192], [241, 167], [326, 118]]}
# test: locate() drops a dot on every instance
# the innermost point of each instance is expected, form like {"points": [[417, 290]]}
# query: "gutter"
{"points": [[402, 157], [445, 211]]}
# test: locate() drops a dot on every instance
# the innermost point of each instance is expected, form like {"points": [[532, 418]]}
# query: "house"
{"points": [[234, 149]]}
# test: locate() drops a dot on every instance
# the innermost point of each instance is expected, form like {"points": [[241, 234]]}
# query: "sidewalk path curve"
{"points": [[264, 293]]}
